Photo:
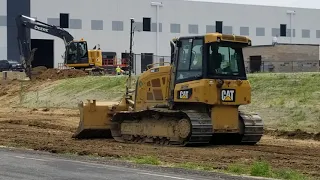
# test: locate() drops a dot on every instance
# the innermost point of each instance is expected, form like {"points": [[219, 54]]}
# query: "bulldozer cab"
{"points": [[212, 56]]}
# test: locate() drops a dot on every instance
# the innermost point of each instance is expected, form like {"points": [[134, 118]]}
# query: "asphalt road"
{"points": [[24, 165]]}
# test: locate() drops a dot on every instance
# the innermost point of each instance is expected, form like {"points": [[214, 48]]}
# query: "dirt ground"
{"points": [[52, 129], [55, 74]]}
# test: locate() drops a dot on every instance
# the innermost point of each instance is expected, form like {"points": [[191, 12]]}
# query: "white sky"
{"points": [[314, 4]]}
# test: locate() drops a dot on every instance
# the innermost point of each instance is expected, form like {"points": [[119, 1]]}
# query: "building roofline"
{"points": [[288, 44], [260, 5]]}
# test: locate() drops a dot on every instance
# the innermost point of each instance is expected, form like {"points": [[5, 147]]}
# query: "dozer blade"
{"points": [[95, 119]]}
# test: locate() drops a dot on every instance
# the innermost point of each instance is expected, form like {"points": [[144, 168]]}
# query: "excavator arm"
{"points": [[26, 54]]}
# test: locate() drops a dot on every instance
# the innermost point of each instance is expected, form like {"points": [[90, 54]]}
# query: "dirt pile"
{"points": [[38, 70], [296, 134], [56, 74]]}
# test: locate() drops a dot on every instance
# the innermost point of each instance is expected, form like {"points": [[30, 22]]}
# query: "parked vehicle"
{"points": [[16, 66], [4, 65], [9, 65]]}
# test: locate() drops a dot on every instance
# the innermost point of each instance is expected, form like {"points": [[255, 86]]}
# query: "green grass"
{"points": [[68, 92], [263, 169], [195, 166], [151, 160], [287, 101], [256, 168], [91, 83], [237, 168]]}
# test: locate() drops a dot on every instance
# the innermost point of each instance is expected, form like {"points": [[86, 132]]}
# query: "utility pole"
{"points": [[130, 56]]}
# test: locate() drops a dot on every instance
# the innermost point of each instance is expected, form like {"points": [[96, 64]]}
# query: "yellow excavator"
{"points": [[192, 101]]}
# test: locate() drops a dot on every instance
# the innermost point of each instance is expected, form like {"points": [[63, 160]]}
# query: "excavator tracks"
{"points": [[161, 126]]}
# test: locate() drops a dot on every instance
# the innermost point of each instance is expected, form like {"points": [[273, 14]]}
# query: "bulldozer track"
{"points": [[198, 124], [201, 127], [253, 128]]}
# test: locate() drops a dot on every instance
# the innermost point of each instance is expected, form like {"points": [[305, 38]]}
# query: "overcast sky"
{"points": [[315, 4]]}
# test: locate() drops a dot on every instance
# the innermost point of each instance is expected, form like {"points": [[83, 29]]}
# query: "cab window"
{"points": [[226, 60], [190, 59]]}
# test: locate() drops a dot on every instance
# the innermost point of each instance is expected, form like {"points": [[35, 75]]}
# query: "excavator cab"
{"points": [[77, 53]]}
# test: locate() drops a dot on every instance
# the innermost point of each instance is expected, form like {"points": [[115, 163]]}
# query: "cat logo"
{"points": [[228, 95], [184, 94]]}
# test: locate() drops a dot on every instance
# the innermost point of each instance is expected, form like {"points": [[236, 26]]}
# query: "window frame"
{"points": [[84, 59], [242, 74], [190, 55], [146, 24], [64, 20]]}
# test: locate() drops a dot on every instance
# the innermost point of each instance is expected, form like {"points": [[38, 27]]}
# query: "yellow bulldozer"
{"points": [[192, 101]]}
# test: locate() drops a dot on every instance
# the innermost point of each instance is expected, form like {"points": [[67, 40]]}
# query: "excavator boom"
{"points": [[74, 50]]}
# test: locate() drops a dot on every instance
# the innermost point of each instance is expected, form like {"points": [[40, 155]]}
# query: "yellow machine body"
{"points": [[177, 105], [79, 57]]}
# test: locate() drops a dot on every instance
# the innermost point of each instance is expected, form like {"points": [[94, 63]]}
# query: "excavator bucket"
{"points": [[95, 118]]}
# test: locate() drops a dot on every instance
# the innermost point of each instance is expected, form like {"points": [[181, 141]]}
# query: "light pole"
{"points": [[158, 5], [291, 13]]}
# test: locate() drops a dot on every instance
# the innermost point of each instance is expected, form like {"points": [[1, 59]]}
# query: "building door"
{"points": [[44, 55], [146, 59], [255, 64]]}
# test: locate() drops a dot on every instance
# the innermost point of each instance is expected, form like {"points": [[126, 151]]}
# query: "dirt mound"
{"points": [[317, 136], [56, 74], [296, 134], [9, 87], [38, 70]]}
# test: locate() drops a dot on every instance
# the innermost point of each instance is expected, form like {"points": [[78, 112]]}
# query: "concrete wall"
{"points": [[286, 58], [258, 22], [3, 29], [15, 8]]}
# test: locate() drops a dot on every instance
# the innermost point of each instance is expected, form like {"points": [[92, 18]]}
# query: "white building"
{"points": [[107, 22]]}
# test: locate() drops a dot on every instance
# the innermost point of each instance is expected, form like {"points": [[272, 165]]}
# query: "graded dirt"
{"points": [[51, 130]]}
